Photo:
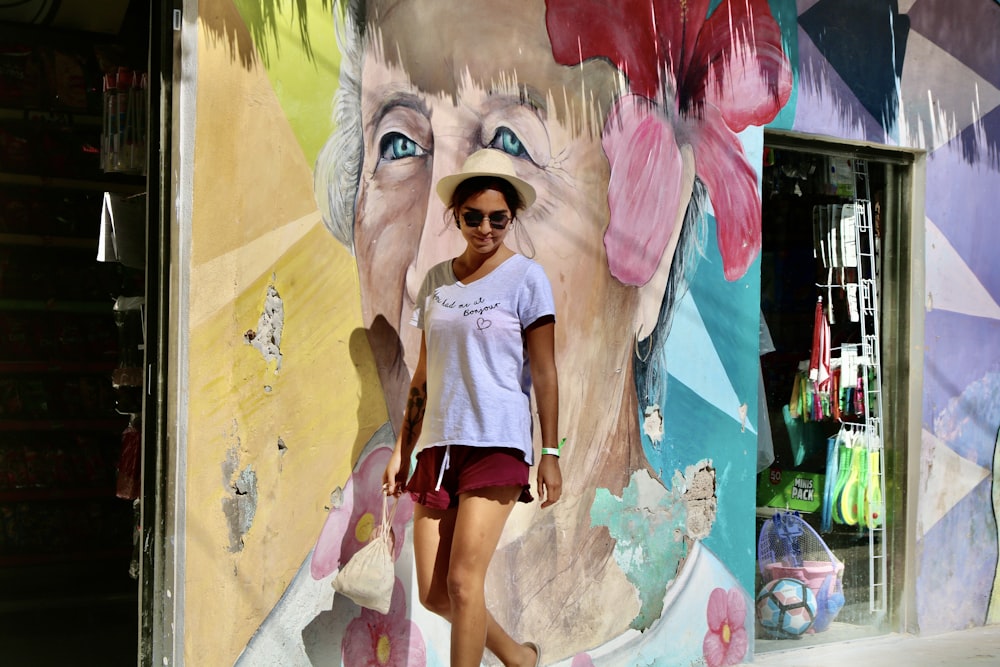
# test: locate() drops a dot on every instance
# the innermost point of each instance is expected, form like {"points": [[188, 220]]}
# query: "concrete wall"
{"points": [[311, 215]]}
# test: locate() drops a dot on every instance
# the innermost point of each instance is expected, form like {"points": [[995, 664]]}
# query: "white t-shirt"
{"points": [[478, 377]]}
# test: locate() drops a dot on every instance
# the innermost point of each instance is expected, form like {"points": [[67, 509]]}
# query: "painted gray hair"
{"points": [[338, 165]]}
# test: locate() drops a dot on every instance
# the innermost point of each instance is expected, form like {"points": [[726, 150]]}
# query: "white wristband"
{"points": [[551, 451]]}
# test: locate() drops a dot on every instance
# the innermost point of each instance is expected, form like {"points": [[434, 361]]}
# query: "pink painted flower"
{"points": [[350, 526], [695, 80], [726, 641], [582, 660], [390, 640]]}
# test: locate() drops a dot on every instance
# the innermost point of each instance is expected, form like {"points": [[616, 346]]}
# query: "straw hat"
{"points": [[486, 162]]}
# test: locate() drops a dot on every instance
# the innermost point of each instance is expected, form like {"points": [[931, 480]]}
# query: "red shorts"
{"points": [[469, 468]]}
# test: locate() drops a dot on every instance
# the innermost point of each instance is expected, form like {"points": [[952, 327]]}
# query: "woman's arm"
{"points": [[544, 377], [397, 471]]}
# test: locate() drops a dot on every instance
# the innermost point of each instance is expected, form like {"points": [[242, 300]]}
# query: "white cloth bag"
{"points": [[369, 576]]}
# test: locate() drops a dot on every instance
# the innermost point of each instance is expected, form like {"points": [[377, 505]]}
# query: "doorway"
{"points": [[835, 298], [71, 308]]}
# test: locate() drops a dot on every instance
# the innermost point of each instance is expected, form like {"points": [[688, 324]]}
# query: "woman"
{"points": [[488, 320], [402, 131]]}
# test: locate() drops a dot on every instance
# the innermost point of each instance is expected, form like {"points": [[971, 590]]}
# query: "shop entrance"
{"points": [[834, 304], [80, 327]]}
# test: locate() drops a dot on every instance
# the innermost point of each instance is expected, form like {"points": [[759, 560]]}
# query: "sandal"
{"points": [[538, 652]]}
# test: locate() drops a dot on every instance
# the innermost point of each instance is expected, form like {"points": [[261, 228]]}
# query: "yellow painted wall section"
{"points": [[267, 443]]}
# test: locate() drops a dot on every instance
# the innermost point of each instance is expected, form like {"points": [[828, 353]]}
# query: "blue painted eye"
{"points": [[508, 142], [396, 146]]}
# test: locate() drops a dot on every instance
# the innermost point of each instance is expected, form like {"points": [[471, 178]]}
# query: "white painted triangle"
{"points": [[245, 264], [951, 284], [703, 372], [828, 104], [945, 479], [942, 97]]}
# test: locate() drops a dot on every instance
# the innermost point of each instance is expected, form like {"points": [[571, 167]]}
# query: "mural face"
{"points": [[624, 167]]}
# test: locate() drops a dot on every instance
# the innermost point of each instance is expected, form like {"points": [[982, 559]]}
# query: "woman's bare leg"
{"points": [[453, 549], [432, 533]]}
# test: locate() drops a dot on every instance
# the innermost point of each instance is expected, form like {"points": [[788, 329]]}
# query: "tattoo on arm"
{"points": [[415, 406]]}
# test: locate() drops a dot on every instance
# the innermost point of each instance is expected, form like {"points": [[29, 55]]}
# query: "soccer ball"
{"points": [[786, 608]]}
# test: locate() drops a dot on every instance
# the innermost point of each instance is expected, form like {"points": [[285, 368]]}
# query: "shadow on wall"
{"points": [[342, 636], [840, 30], [361, 355], [324, 635], [262, 18], [967, 32]]}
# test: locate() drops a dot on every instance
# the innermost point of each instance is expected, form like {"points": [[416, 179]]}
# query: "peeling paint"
{"points": [[240, 505], [654, 528], [700, 500], [336, 499], [282, 450], [646, 523], [652, 424], [267, 337]]}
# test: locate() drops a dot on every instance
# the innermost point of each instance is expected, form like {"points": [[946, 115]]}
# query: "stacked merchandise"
{"points": [[50, 85], [59, 91], [123, 145], [855, 498], [789, 549]]}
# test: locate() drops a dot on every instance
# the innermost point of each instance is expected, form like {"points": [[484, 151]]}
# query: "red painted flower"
{"points": [[726, 641], [350, 526], [390, 640], [695, 80]]}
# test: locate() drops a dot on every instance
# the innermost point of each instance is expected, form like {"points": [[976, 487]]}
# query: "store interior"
{"points": [[73, 110], [821, 500]]}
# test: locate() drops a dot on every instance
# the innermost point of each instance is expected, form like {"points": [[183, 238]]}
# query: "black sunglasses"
{"points": [[498, 219]]}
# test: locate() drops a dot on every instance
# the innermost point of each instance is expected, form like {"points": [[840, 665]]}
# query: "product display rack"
{"points": [[867, 244], [865, 261]]}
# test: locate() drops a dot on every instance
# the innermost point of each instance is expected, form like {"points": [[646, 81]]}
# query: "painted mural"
{"points": [[961, 364], [628, 125], [639, 124]]}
